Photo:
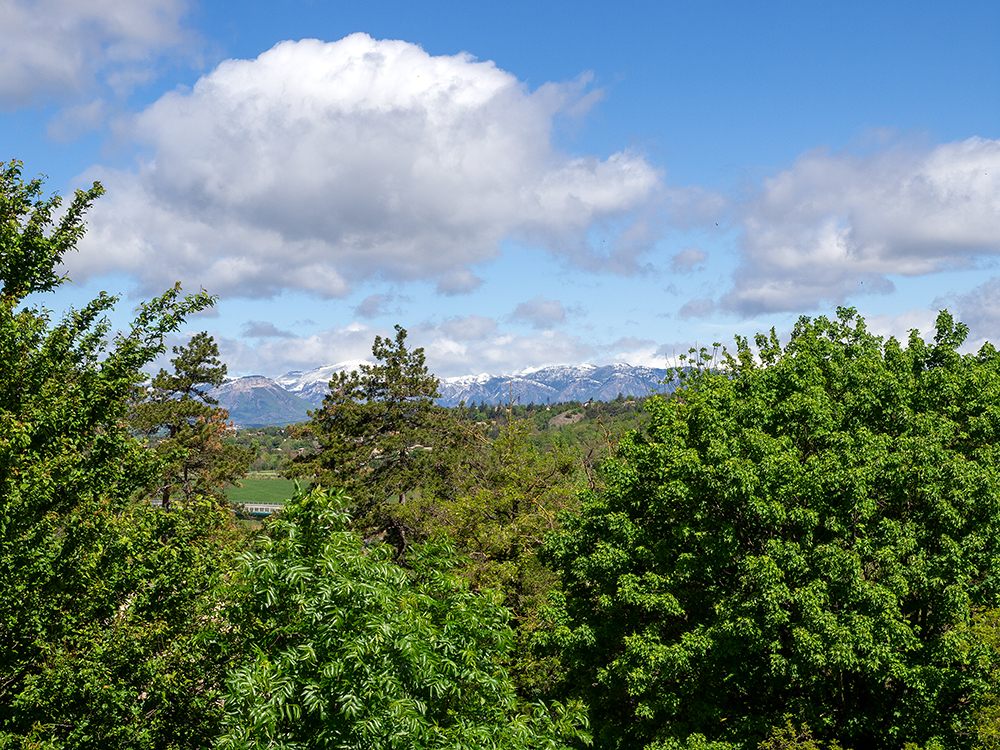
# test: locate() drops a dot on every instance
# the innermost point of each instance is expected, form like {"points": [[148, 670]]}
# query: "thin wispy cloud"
{"points": [[697, 308], [374, 306], [259, 329], [468, 328], [688, 259], [539, 313]]}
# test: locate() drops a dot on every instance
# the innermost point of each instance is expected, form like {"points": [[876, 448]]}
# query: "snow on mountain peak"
{"points": [[549, 384], [297, 380], [482, 377]]}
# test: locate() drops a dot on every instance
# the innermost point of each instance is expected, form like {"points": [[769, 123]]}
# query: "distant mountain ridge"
{"points": [[257, 401], [550, 385], [544, 385], [311, 385]]}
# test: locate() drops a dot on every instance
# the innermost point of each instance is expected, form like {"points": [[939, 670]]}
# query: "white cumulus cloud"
{"points": [[834, 225], [317, 165], [60, 48]]}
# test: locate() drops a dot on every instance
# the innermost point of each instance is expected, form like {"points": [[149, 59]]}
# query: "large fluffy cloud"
{"points": [[835, 225], [65, 47], [320, 164]]}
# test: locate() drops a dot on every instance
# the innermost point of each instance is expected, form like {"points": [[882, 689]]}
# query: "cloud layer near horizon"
{"points": [[454, 347], [319, 165]]}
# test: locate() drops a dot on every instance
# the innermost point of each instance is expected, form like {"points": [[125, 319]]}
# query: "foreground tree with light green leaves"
{"points": [[354, 650], [108, 631], [802, 537]]}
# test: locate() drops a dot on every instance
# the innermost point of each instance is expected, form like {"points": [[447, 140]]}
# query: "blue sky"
{"points": [[517, 184]]}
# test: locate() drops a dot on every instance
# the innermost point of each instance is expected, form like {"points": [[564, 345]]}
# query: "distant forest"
{"points": [[590, 429]]}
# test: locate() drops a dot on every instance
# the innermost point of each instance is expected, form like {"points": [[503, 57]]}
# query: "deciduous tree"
{"points": [[105, 606], [354, 650], [802, 533]]}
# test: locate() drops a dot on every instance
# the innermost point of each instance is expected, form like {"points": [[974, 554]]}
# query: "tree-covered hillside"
{"points": [[589, 430]]}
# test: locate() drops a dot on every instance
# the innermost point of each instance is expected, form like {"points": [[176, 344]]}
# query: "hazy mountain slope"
{"points": [[256, 401], [555, 384]]}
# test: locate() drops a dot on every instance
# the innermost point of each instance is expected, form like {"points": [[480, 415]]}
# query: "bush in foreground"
{"points": [[356, 651]]}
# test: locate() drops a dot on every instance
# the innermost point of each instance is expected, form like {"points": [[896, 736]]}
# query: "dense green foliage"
{"points": [[381, 436], [984, 631], [807, 534], [128, 650], [103, 603], [510, 495], [588, 431], [362, 652]]}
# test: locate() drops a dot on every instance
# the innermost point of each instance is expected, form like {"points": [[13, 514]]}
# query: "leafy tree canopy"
{"points": [[802, 534], [509, 496], [105, 608], [361, 652]]}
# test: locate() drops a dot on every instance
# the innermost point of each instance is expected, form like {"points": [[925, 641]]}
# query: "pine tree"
{"points": [[382, 437], [187, 427]]}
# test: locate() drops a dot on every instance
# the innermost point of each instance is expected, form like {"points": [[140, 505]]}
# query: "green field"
{"points": [[261, 487]]}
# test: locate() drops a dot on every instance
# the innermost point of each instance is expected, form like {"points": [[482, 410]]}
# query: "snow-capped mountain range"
{"points": [[311, 385], [252, 400], [550, 385], [543, 385]]}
